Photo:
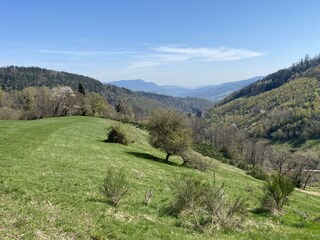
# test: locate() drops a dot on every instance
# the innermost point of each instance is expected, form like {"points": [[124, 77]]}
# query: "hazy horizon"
{"points": [[187, 86]]}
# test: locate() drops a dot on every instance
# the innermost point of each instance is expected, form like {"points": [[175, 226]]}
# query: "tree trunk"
{"points": [[167, 157], [184, 159], [307, 180]]}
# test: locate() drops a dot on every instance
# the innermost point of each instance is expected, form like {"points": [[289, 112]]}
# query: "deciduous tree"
{"points": [[169, 131]]}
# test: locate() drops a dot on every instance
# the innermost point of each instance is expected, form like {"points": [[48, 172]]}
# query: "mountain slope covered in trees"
{"points": [[17, 78], [285, 105], [276, 79]]}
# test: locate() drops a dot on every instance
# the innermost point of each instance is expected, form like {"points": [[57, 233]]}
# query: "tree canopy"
{"points": [[169, 131]]}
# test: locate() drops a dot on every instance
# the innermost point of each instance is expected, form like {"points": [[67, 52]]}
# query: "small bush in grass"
{"points": [[276, 192], [115, 185], [204, 206], [148, 196], [258, 173], [116, 135], [195, 160], [242, 165]]}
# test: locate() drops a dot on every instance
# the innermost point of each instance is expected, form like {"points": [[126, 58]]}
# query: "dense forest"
{"points": [[17, 78]]}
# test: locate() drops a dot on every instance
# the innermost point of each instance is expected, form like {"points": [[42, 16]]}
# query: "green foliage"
{"points": [[258, 173], [287, 112], [188, 104], [81, 89], [169, 131], [210, 151], [276, 192], [95, 104], [20, 77], [197, 161], [117, 134], [279, 78], [205, 206], [115, 185], [282, 106]]}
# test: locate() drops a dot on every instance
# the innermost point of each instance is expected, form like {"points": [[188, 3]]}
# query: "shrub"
{"points": [[7, 113], [197, 161], [148, 196], [242, 165], [115, 185], [258, 173], [203, 205], [209, 151], [228, 152], [276, 192], [117, 135]]}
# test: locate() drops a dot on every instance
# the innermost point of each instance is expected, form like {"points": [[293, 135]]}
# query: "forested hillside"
{"points": [[17, 78], [285, 105], [187, 104], [277, 79]]}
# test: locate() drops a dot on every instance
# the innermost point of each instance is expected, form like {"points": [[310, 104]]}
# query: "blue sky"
{"points": [[176, 42]]}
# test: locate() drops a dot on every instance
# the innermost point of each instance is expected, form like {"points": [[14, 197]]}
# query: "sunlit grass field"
{"points": [[51, 171]]}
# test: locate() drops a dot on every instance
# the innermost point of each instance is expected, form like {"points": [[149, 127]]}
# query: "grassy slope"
{"points": [[51, 170]]}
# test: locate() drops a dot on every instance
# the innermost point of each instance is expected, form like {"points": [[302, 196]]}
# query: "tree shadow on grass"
{"points": [[105, 141], [152, 157], [261, 212]]}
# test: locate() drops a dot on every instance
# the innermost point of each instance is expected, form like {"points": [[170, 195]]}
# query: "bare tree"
{"points": [[256, 152], [279, 160], [303, 168]]}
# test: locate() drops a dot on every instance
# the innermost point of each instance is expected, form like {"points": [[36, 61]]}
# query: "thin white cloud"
{"points": [[211, 54], [163, 55], [83, 53], [152, 60], [167, 54]]}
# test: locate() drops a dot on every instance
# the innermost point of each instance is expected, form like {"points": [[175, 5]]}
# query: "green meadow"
{"points": [[51, 172]]}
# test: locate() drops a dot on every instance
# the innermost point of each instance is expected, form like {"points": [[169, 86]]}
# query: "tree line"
{"points": [[255, 155], [17, 78], [41, 102]]}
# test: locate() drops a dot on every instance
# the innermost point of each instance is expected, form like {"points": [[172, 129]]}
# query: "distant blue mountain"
{"points": [[211, 92], [218, 92], [137, 85], [141, 85]]}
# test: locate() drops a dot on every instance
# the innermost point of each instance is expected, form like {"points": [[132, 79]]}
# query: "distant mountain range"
{"points": [[211, 92]]}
